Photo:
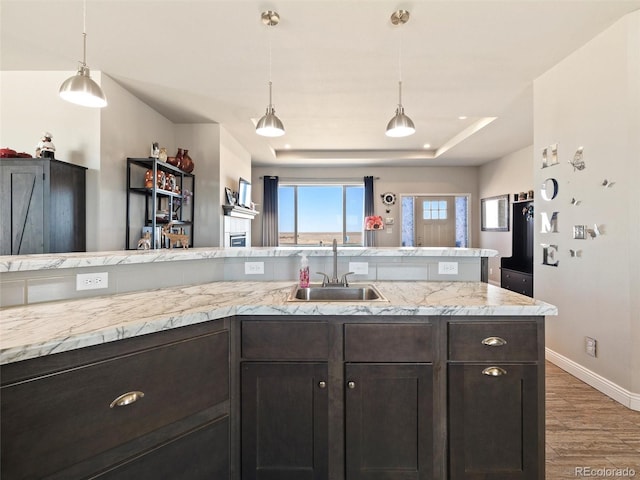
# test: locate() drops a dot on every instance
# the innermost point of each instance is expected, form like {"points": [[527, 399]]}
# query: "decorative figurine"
{"points": [[145, 242], [45, 148], [162, 156], [175, 239], [155, 150]]}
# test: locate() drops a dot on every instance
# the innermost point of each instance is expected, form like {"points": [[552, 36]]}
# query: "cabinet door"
{"points": [[284, 421], [493, 422], [22, 210], [200, 455], [389, 417]]}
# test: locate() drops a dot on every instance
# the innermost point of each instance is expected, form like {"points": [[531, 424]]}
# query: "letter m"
{"points": [[549, 225]]}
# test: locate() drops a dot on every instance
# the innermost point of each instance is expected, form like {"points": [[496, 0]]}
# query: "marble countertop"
{"points": [[21, 263], [41, 329]]}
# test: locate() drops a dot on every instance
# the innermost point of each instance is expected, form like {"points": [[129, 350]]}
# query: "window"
{"points": [[434, 210], [316, 214]]}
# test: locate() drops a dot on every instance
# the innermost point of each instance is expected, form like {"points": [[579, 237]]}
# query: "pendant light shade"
{"points": [[81, 89], [270, 125], [400, 125]]}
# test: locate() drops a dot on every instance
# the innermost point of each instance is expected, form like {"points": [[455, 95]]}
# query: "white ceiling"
{"points": [[335, 67]]}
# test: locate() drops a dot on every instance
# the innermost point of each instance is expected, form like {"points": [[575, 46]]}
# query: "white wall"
{"points": [[128, 127], [203, 142], [398, 180], [507, 175], [235, 162], [592, 99]]}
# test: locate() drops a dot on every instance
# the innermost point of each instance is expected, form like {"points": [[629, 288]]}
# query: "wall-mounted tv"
{"points": [[244, 193]]}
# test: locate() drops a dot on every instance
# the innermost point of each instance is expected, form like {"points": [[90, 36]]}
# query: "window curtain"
{"points": [[369, 237], [270, 212]]}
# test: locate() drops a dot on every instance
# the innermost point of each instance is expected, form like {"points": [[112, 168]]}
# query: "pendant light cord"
{"points": [[400, 70], [84, 33]]}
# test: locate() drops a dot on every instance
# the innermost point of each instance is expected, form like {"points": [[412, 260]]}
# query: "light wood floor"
{"points": [[587, 429]]}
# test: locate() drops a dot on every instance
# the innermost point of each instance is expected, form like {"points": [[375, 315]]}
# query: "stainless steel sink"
{"points": [[352, 293]]}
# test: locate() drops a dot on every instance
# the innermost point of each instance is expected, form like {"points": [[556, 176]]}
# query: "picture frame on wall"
{"points": [[494, 215], [230, 198]]}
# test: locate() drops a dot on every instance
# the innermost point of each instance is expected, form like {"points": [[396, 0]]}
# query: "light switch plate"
{"points": [[359, 268], [254, 268], [448, 268]]}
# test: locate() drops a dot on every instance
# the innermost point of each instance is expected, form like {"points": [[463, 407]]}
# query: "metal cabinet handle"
{"points": [[126, 399], [494, 342], [494, 371], [351, 385], [322, 384]]}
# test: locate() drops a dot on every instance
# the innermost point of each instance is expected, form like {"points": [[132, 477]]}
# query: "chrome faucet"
{"points": [[333, 281]]}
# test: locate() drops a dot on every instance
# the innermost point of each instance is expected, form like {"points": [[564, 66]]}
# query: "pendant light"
{"points": [[270, 125], [81, 89], [400, 125]]}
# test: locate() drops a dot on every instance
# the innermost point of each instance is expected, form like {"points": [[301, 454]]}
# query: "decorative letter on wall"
{"points": [[550, 156], [548, 254], [549, 226], [549, 189]]}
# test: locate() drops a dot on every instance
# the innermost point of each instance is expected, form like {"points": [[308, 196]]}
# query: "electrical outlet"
{"points": [[590, 346], [254, 268], [359, 268], [92, 281], [448, 268]]}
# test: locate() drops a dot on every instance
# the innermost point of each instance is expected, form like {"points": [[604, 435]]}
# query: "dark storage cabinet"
{"points": [[284, 421], [516, 271], [389, 421], [60, 419], [319, 399], [495, 391], [42, 206]]}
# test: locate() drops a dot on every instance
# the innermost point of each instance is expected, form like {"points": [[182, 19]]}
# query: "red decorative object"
{"points": [[7, 153], [187, 162], [374, 222]]}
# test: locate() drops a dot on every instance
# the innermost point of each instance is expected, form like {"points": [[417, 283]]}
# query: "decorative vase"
{"points": [[187, 162], [179, 158]]}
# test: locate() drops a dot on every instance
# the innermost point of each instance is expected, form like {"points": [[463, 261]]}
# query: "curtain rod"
{"points": [[307, 179]]}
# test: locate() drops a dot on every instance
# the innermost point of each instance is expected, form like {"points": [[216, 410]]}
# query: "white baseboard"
{"points": [[625, 397]]}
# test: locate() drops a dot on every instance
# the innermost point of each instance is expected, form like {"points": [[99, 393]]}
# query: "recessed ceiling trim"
{"points": [[464, 134], [355, 154]]}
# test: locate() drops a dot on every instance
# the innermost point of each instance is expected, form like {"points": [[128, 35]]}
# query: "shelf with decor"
{"points": [[160, 203]]}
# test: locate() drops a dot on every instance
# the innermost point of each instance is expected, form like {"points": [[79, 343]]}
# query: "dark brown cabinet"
{"points": [[284, 421], [319, 399], [493, 421], [389, 417], [42, 206], [92, 410], [496, 400]]}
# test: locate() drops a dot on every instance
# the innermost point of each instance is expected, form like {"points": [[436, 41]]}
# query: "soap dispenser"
{"points": [[304, 272]]}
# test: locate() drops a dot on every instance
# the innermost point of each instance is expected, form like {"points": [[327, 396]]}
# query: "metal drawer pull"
{"points": [[322, 384], [126, 399], [494, 371], [351, 385], [494, 342]]}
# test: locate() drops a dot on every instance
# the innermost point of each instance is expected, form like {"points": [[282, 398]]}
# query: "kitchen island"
{"points": [[238, 382]]}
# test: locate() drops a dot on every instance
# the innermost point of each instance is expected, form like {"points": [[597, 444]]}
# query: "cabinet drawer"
{"points": [[519, 282], [64, 418], [388, 343], [287, 340], [482, 341]]}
